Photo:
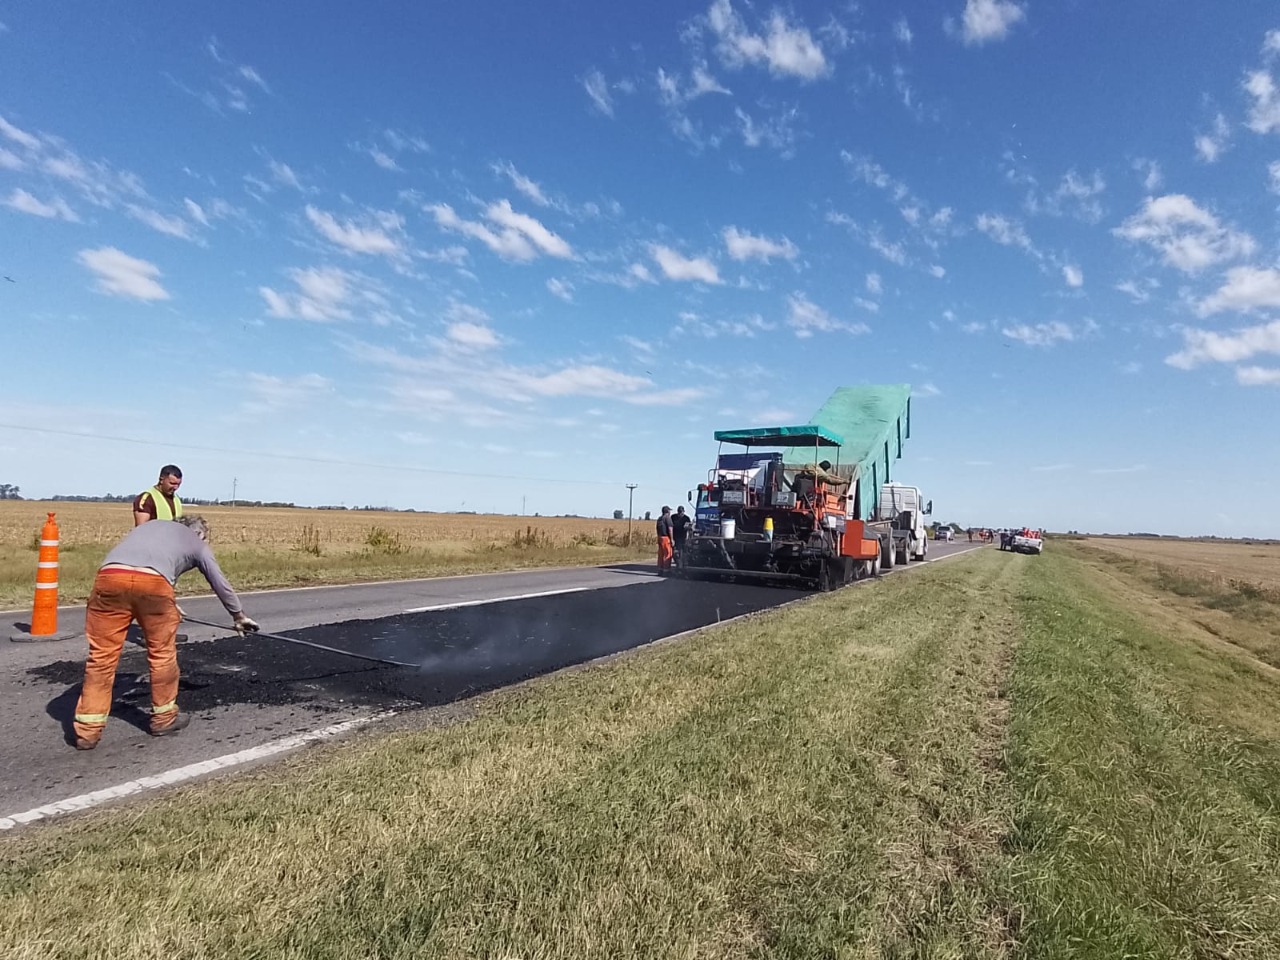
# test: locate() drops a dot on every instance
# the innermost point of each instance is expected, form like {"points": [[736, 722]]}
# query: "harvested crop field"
{"points": [[1256, 562], [261, 547]]}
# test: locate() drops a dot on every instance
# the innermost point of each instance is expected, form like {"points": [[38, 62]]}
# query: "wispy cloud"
{"points": [[171, 226], [742, 245], [1258, 376], [597, 88], [807, 318], [1246, 289], [121, 275], [785, 49], [560, 288], [695, 325], [1187, 237], [55, 209], [324, 294], [233, 84], [1052, 468], [375, 233], [1040, 334], [1213, 144], [509, 234], [1109, 471], [1073, 275], [674, 266], [268, 393], [525, 185]]}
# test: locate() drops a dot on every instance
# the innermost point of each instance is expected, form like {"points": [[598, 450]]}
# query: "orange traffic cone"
{"points": [[44, 612]]}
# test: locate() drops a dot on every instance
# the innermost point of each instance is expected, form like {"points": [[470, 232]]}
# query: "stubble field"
{"points": [[260, 547]]}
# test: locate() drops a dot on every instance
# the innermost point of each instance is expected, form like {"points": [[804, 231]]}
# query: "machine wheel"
{"points": [[824, 576], [886, 555], [904, 555]]}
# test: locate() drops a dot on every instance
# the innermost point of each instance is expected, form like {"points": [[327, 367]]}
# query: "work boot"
{"points": [[82, 744], [179, 723]]}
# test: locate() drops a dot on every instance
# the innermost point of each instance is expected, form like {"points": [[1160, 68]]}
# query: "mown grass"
{"points": [[820, 782], [1000, 756], [1145, 759], [260, 548]]}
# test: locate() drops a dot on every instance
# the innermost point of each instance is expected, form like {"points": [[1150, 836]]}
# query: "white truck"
{"points": [[903, 508], [1026, 541]]}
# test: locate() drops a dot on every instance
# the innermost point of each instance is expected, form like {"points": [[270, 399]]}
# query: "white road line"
{"points": [[190, 772], [479, 603]]}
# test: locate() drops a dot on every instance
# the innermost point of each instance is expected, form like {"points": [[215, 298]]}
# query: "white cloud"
{"points": [[926, 390], [1210, 146], [1271, 43], [777, 131], [232, 82], [1264, 113], [18, 136], [1040, 334], [1079, 197], [55, 209], [784, 49], [283, 174], [324, 294], [472, 336], [938, 271], [1246, 288], [121, 275], [1185, 235], [518, 237], [549, 243], [359, 238], [196, 212], [162, 223], [676, 267], [560, 288], [806, 318], [1139, 290], [10, 160], [986, 20], [893, 251], [874, 286], [1053, 468], [691, 324], [383, 159], [1273, 170], [1205, 346], [598, 90], [1073, 275], [747, 246], [902, 31], [402, 142], [1258, 376], [522, 183], [1004, 231], [1151, 174]]}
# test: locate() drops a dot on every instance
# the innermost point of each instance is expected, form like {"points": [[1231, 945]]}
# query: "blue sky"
{"points": [[489, 255]]}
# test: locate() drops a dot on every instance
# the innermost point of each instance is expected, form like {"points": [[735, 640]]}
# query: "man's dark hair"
{"points": [[169, 470]]}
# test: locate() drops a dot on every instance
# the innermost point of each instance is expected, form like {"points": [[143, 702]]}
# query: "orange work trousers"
{"points": [[664, 553], [119, 597]]}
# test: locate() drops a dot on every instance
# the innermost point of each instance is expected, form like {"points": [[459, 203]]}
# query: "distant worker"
{"points": [[136, 580], [680, 524], [161, 501], [666, 537]]}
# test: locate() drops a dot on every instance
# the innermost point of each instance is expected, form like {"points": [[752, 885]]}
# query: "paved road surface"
{"points": [[253, 697]]}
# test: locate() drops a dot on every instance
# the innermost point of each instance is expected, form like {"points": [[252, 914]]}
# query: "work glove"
{"points": [[244, 625]]}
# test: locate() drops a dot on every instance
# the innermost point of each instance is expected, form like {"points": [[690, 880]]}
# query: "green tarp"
{"points": [[874, 422], [808, 435]]}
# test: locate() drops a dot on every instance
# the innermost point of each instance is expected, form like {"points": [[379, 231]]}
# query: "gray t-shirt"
{"points": [[171, 549]]}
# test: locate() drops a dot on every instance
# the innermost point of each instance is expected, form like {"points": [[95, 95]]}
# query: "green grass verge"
{"points": [[1146, 774]]}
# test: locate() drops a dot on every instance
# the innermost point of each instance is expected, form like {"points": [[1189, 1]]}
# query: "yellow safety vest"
{"points": [[162, 505]]}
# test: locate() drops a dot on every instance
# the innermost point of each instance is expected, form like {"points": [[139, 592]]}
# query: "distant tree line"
{"points": [[9, 491]]}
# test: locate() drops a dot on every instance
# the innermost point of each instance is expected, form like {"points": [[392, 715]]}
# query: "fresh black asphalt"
{"points": [[460, 652]]}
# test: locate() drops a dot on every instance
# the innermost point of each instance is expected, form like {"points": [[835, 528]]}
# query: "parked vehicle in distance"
{"points": [[944, 533]]}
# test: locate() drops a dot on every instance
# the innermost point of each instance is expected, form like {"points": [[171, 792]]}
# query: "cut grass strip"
{"points": [[821, 781], [1146, 776]]}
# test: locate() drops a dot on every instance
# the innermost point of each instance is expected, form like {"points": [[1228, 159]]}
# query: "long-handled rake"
{"points": [[308, 643]]}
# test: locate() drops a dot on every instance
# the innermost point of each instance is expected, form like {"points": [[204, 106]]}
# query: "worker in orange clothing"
{"points": [[136, 580], [666, 537]]}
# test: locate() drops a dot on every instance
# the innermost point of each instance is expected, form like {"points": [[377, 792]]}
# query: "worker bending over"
{"points": [[136, 580]]}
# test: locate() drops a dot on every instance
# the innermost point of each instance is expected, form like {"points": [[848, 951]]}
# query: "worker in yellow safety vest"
{"points": [[161, 501]]}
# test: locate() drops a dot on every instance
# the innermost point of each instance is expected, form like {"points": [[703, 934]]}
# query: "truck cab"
{"points": [[905, 508]]}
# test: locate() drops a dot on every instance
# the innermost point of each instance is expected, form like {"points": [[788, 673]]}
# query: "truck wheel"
{"points": [[904, 554], [886, 555]]}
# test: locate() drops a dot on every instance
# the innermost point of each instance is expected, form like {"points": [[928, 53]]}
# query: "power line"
{"points": [[331, 461]]}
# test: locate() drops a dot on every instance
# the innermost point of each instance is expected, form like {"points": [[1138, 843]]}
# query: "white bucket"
{"points": [[728, 528]]}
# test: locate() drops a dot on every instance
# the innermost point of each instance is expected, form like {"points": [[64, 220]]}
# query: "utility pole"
{"points": [[631, 493], [234, 481], [524, 504]]}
